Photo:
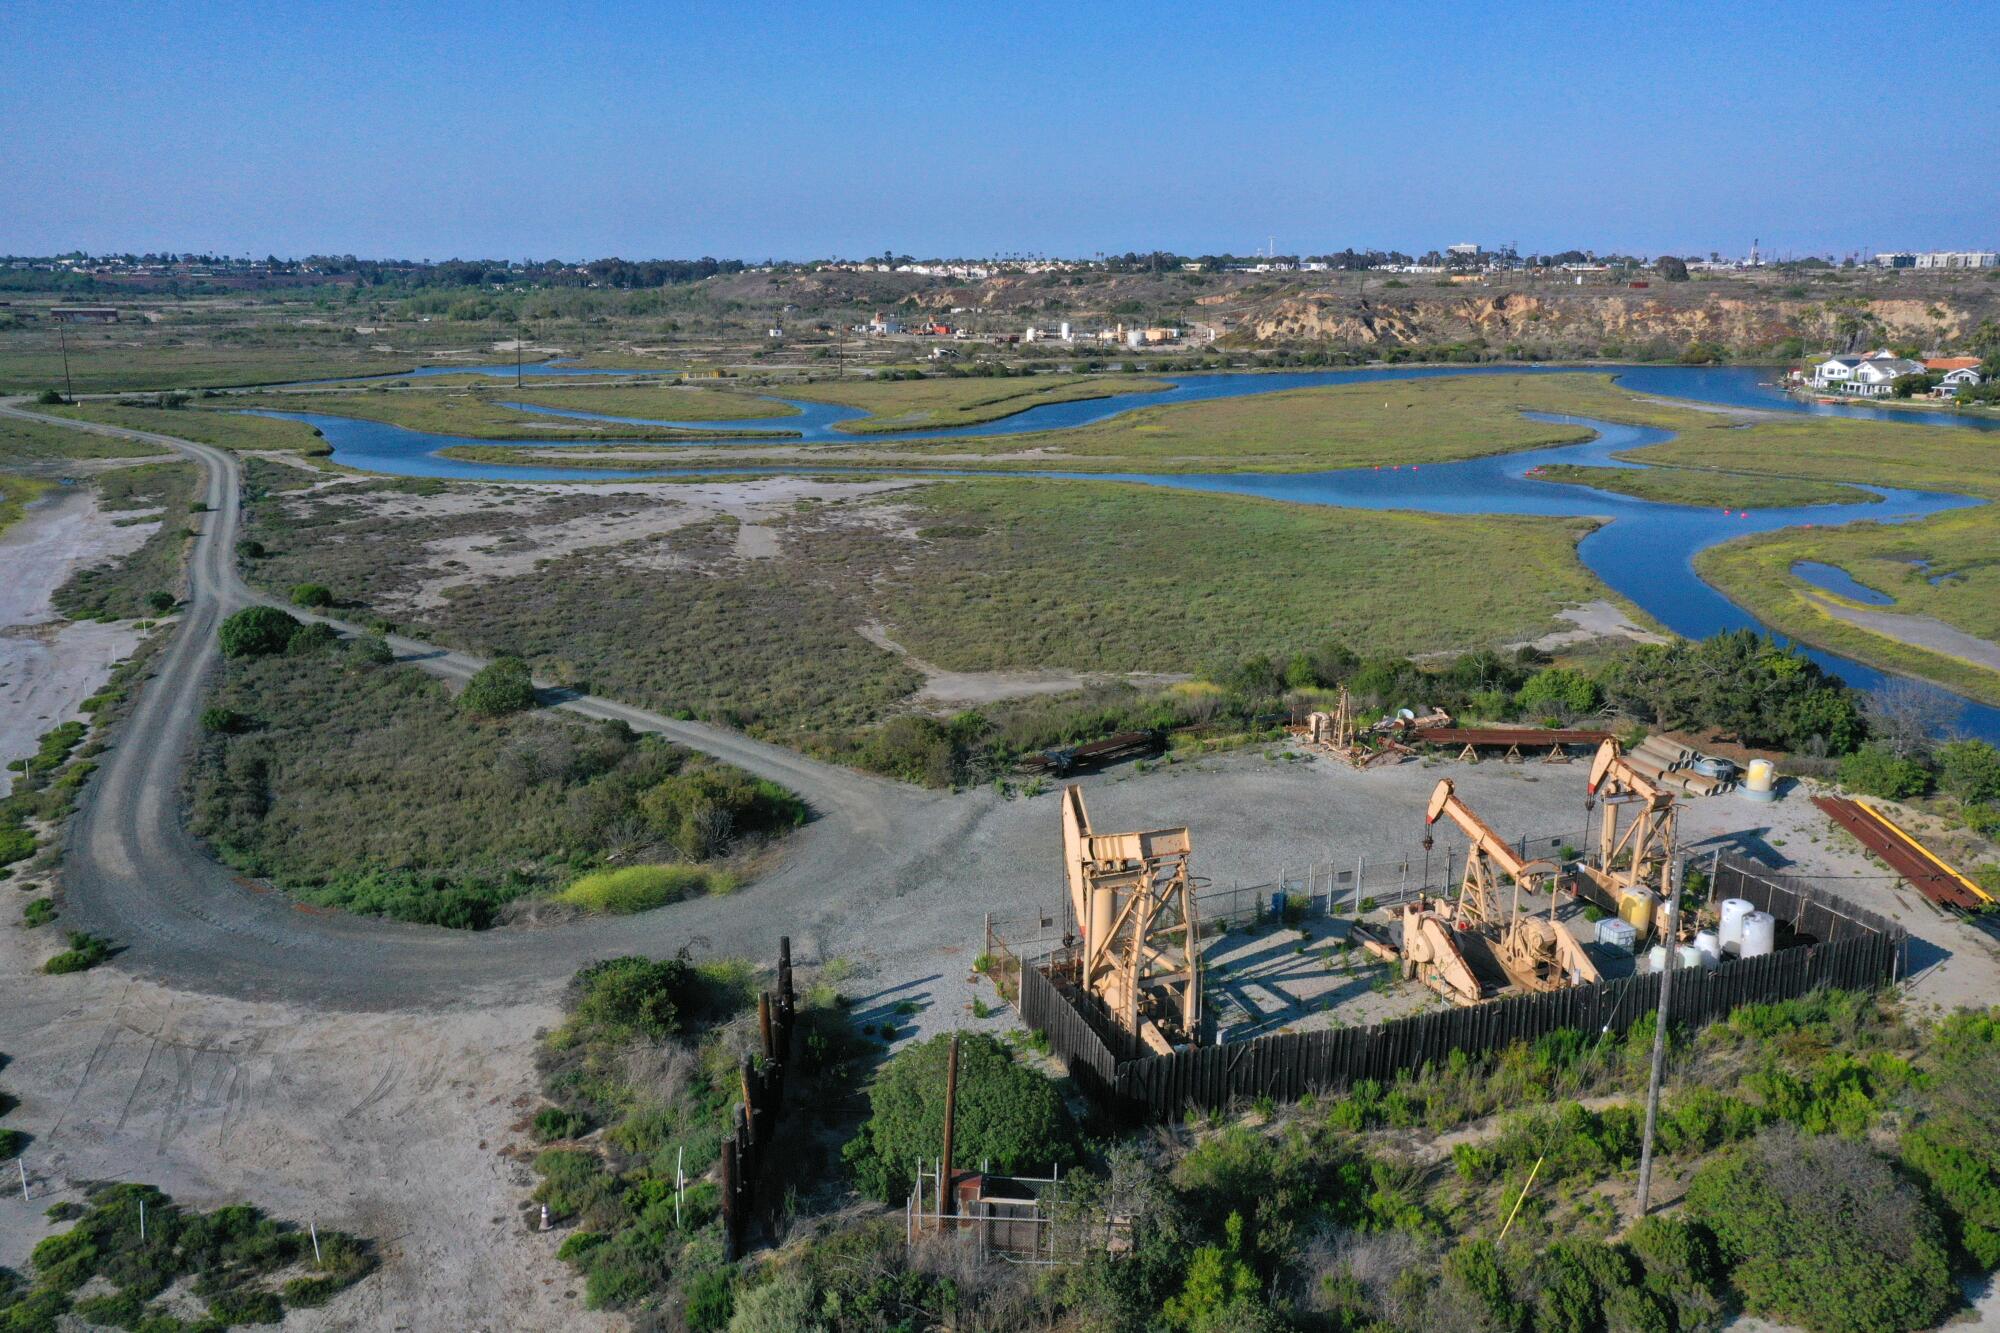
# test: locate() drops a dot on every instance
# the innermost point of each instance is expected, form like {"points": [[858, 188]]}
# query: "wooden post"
{"points": [[764, 1024], [947, 1202], [749, 1102], [729, 1218], [786, 995], [1673, 965]]}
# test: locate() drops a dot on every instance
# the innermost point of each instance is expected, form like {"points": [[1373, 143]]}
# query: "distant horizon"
{"points": [[761, 130], [256, 255]]}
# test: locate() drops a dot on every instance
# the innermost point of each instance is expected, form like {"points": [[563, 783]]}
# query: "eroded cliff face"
{"points": [[1577, 319]]}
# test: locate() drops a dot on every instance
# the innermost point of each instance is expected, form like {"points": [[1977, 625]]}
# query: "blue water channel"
{"points": [[1645, 551]]}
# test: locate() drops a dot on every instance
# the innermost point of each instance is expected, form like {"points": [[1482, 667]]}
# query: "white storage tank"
{"points": [[1761, 782], [1690, 956], [1708, 947], [1760, 934], [1656, 958], [1730, 933], [1615, 934]]}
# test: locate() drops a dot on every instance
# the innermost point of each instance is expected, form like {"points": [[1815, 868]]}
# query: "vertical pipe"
{"points": [[764, 1024], [946, 1203]]}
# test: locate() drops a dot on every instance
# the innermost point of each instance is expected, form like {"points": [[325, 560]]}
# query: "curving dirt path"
{"points": [[134, 873]]}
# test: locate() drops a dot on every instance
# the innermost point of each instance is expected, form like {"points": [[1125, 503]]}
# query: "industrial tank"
{"points": [[1730, 933], [1708, 947], [1760, 934], [1635, 906], [1761, 782]]}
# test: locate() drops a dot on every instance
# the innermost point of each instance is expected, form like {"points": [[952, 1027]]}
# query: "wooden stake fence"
{"points": [[746, 1159], [1835, 945]]}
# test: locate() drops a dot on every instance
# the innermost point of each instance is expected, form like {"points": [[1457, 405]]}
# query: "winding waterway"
{"points": [[1645, 551]]}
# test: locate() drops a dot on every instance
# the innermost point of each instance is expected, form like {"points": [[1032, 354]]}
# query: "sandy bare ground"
{"points": [[1917, 631], [963, 688], [1593, 620], [657, 508], [49, 665], [400, 1127]]}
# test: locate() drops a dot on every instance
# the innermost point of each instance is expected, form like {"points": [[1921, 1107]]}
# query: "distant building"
{"points": [[1959, 259], [84, 314], [1463, 250], [1959, 372], [1876, 376]]}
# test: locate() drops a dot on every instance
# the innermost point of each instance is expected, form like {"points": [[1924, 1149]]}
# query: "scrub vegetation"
{"points": [[944, 403], [234, 1266], [30, 443], [642, 1080], [147, 582], [190, 419], [972, 575], [475, 410], [1946, 567], [1827, 1162], [16, 494], [358, 784]]}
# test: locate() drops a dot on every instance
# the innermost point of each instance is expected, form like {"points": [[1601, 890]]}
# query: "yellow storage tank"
{"points": [[1635, 908]]}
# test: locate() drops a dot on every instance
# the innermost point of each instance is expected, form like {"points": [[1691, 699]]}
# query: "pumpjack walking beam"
{"points": [[1132, 895]]}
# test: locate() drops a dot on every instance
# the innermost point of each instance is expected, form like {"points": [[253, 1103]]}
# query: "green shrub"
{"points": [[11, 1143], [643, 997], [1969, 771], [1820, 1231], [1558, 690], [641, 888], [1008, 1115], [702, 810], [38, 912], [555, 1122], [310, 638], [311, 595], [1876, 771], [501, 686], [85, 952], [785, 1304], [225, 720], [256, 631]]}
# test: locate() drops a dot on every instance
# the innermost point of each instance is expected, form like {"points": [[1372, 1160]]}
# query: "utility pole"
{"points": [[947, 1197], [1673, 965], [62, 331]]}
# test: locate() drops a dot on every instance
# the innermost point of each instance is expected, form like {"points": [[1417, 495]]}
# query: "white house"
{"points": [[1874, 377], [1834, 372]]}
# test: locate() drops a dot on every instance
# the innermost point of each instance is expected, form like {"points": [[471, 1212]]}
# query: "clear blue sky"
{"points": [[800, 130]]}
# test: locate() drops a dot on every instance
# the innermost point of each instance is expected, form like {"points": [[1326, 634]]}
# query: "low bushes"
{"points": [[361, 786], [85, 952], [238, 1259], [500, 687], [1823, 1232], [256, 631], [639, 888], [1008, 1115]]}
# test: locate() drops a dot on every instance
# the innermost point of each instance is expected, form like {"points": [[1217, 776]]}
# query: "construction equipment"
{"points": [[1638, 854], [1133, 898], [1536, 953]]}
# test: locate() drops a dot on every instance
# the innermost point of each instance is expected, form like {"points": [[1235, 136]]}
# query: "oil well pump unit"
{"points": [[1132, 897], [1631, 862], [1455, 947]]}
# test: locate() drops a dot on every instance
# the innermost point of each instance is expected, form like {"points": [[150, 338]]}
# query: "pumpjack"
{"points": [[1632, 853], [1132, 896], [1440, 938]]}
